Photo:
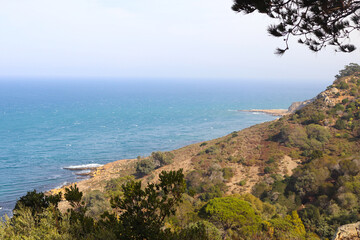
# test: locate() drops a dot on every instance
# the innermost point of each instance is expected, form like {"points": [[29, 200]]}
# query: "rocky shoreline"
{"points": [[273, 112], [281, 112]]}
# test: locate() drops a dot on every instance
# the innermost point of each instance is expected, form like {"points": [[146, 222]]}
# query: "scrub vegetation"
{"points": [[297, 177]]}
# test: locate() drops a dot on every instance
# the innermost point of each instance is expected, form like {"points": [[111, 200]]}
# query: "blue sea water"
{"points": [[46, 125]]}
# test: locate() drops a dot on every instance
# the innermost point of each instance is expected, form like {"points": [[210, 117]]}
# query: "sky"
{"points": [[165, 39]]}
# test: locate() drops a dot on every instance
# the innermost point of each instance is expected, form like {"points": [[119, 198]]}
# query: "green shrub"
{"points": [[290, 227], [203, 144], [232, 213], [113, 186], [339, 107], [316, 154], [96, 204], [268, 170], [340, 124], [271, 160], [162, 158], [144, 167], [318, 132], [227, 173], [201, 230], [343, 85], [212, 150], [242, 183]]}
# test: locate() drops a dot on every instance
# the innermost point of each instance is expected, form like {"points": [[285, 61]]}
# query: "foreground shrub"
{"points": [[202, 230], [232, 213]]}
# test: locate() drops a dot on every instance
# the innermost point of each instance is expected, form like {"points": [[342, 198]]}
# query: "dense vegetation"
{"points": [[309, 202], [158, 211]]}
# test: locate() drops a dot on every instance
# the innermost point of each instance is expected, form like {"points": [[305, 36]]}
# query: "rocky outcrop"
{"points": [[329, 96], [348, 232], [299, 105]]}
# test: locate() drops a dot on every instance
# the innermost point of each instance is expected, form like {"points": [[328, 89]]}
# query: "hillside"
{"points": [[297, 177], [329, 124]]}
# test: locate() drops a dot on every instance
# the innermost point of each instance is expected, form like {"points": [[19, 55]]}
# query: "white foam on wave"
{"points": [[84, 171], [83, 167], [63, 184]]}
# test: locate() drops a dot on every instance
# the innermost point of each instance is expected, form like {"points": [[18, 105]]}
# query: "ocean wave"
{"points": [[63, 184], [83, 167]]}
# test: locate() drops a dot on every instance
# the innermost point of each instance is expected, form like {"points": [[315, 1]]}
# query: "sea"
{"points": [[47, 125]]}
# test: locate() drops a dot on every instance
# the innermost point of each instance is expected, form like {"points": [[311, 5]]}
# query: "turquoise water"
{"points": [[48, 125]]}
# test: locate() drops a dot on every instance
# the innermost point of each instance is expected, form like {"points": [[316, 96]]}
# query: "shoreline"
{"points": [[273, 112], [104, 172], [122, 167]]}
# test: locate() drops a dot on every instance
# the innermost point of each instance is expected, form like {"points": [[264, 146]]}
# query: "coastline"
{"points": [[273, 112], [98, 174], [183, 159]]}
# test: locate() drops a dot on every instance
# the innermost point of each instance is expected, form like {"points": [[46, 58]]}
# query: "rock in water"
{"points": [[348, 232]]}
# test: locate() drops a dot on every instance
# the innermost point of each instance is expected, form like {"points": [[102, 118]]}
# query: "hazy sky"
{"points": [[150, 39]]}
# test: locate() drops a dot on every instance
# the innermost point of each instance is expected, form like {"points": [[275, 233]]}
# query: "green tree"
{"points": [[37, 201], [232, 213], [348, 70], [317, 23], [74, 196], [142, 212]]}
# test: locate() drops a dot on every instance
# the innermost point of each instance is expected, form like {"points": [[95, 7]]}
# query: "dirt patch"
{"points": [[288, 165]]}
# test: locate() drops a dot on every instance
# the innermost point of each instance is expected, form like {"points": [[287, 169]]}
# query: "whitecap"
{"points": [[83, 167], [63, 184]]}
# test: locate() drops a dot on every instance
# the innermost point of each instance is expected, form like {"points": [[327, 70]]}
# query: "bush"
{"points": [[318, 132], [231, 212], [211, 150], [144, 167], [202, 230], [203, 144], [340, 124], [113, 186], [162, 158], [343, 85], [268, 170], [347, 200], [37, 201], [96, 204], [242, 183], [193, 181], [234, 134], [316, 154], [227, 173], [291, 227]]}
